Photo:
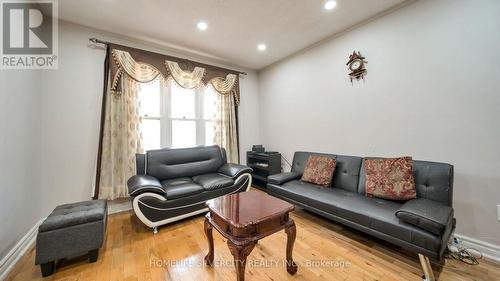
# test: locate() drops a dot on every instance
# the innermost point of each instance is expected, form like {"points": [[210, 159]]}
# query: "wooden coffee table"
{"points": [[244, 218]]}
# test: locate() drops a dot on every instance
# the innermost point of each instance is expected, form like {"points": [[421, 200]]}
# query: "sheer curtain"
{"points": [[226, 134], [122, 139]]}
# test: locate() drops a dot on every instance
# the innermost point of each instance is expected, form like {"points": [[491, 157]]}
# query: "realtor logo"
{"points": [[29, 34]]}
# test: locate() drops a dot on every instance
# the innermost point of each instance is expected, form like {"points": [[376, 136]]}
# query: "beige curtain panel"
{"points": [[121, 141], [225, 127]]}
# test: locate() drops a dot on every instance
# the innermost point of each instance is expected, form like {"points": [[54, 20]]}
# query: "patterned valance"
{"points": [[138, 71], [143, 66], [186, 79]]}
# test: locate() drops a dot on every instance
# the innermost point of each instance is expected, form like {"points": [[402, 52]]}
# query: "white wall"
{"points": [[71, 107], [20, 203], [249, 114], [432, 91]]}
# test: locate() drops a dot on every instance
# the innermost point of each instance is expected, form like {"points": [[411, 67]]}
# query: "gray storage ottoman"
{"points": [[71, 230]]}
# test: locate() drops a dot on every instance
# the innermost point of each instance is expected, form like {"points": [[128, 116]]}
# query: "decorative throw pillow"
{"points": [[390, 178], [319, 170]]}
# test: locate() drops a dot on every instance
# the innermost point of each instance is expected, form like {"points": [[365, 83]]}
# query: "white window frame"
{"points": [[166, 119]]}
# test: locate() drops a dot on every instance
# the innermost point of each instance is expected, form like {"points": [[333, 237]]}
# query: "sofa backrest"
{"points": [[300, 160], [433, 181], [346, 174], [140, 164], [183, 162]]}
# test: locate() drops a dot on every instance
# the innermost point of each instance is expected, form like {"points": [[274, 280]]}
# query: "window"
{"points": [[209, 109], [176, 117], [150, 110]]}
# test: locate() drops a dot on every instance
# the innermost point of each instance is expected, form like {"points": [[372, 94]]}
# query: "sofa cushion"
{"points": [[74, 214], [213, 181], [373, 213], [180, 187], [319, 170], [426, 214], [390, 178], [198, 197]]}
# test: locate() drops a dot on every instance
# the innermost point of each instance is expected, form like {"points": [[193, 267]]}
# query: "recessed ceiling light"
{"points": [[330, 5], [202, 25], [261, 47]]}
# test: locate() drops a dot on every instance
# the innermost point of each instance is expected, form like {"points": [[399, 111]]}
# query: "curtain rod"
{"points": [[99, 41]]}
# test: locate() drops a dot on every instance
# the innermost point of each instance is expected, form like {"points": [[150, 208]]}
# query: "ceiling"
{"points": [[235, 27]]}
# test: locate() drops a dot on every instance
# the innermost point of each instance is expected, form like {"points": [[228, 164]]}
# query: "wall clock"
{"points": [[356, 65]]}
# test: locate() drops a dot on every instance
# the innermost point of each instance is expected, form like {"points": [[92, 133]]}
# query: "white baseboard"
{"points": [[489, 251], [15, 254]]}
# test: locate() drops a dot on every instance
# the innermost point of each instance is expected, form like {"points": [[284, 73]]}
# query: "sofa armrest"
{"points": [[234, 170], [143, 183], [426, 214], [283, 177]]}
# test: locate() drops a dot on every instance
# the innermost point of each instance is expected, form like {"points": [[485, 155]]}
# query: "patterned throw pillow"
{"points": [[390, 178], [319, 170]]}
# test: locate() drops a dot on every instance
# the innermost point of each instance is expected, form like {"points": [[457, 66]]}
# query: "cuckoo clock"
{"points": [[356, 65]]}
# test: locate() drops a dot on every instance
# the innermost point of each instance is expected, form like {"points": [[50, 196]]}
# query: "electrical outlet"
{"points": [[498, 212]]}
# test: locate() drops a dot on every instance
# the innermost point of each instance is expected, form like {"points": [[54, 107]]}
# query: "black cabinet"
{"points": [[263, 164]]}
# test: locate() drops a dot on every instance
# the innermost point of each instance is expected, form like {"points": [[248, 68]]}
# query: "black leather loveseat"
{"points": [[422, 225], [172, 184]]}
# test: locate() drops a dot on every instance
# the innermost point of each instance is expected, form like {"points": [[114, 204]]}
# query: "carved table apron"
{"points": [[241, 239]]}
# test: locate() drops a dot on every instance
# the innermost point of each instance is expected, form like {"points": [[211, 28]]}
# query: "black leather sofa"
{"points": [[423, 225], [173, 184]]}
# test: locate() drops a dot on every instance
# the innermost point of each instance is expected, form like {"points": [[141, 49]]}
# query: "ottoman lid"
{"points": [[74, 214]]}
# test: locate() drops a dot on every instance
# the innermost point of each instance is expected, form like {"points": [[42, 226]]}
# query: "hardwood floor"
{"points": [[132, 252]]}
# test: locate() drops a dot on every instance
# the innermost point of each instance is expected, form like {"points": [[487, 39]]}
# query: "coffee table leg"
{"points": [[240, 254], [209, 258], [291, 267]]}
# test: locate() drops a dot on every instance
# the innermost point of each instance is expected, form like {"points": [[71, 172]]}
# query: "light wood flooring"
{"points": [[132, 252]]}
